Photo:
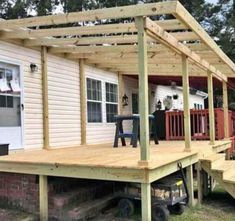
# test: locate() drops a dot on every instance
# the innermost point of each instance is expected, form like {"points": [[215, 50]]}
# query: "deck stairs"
{"points": [[221, 170]]}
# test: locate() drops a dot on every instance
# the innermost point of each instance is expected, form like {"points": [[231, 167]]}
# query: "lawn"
{"points": [[218, 206]]}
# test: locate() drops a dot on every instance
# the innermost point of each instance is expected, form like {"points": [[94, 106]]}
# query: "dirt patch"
{"points": [[13, 215]]}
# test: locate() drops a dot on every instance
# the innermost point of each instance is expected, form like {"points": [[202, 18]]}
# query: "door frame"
{"points": [[20, 65]]}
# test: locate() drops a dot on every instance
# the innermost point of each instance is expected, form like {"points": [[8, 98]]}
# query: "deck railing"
{"points": [[199, 124]]}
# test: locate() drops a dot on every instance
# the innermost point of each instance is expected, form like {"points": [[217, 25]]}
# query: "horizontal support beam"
{"points": [[93, 15], [84, 172], [119, 39], [124, 49], [157, 33], [171, 24], [171, 168], [104, 49]]}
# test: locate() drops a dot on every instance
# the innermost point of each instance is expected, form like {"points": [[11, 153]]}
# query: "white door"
{"points": [[10, 106]]}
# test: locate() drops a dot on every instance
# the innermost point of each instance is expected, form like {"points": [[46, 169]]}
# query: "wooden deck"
{"points": [[104, 162]]}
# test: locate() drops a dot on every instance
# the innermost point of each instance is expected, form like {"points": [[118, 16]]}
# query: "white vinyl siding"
{"points": [[162, 91], [64, 102], [33, 126], [101, 132]]}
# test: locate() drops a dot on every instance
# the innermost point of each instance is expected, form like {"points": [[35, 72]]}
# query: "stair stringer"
{"points": [[218, 176]]}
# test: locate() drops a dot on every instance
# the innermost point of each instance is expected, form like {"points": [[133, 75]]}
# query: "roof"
{"points": [[111, 44]]}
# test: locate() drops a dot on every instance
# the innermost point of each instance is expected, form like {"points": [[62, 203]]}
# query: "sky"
{"points": [[212, 1]]}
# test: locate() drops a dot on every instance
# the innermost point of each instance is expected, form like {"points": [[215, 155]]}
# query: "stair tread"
{"points": [[224, 166], [230, 177], [214, 157]]}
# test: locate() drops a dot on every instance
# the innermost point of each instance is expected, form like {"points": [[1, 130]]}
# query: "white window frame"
{"points": [[94, 101], [107, 102]]}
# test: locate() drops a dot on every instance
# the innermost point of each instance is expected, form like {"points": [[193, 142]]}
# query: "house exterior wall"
{"points": [[64, 102], [162, 91], [33, 121], [63, 94]]}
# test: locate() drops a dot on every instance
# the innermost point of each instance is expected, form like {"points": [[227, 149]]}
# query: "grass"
{"points": [[218, 206]]}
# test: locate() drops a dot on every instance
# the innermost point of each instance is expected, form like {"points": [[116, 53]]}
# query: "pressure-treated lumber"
{"points": [[156, 32], [94, 15], [143, 89], [146, 205], [171, 24], [183, 15], [119, 39], [189, 174], [83, 100], [43, 197], [211, 108], [225, 107], [187, 121], [199, 183], [44, 63]]}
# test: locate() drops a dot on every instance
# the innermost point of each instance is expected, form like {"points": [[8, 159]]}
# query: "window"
{"points": [[6, 101], [94, 101], [111, 101]]}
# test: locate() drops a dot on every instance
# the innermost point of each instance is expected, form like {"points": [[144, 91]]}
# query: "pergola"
{"points": [[174, 45]]}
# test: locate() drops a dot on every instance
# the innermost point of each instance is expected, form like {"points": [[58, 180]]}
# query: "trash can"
{"points": [[4, 149]]}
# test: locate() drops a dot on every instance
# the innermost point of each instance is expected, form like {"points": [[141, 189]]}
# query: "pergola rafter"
{"points": [[102, 37]]}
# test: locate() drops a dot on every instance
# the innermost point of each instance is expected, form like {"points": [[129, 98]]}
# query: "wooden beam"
{"points": [[82, 75], [43, 198], [74, 171], [119, 39], [156, 32], [46, 135], [189, 174], [183, 15], [199, 183], [112, 49], [146, 204], [171, 24], [225, 107], [187, 121], [143, 90], [211, 108], [120, 91], [93, 15]]}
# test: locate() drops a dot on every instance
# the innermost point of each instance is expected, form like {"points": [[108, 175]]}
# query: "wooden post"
{"points": [[146, 201], [120, 92], [211, 108], [143, 89], [205, 182], [83, 100], [46, 141], [43, 197], [187, 122], [199, 183], [189, 173], [225, 106]]}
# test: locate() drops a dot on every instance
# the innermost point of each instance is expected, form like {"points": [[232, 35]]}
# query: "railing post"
{"points": [[167, 126], [225, 107], [187, 123], [211, 108]]}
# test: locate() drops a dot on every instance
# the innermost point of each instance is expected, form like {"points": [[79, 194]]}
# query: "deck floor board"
{"points": [[103, 155]]}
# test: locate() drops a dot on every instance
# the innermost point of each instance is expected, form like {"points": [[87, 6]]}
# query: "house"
{"points": [[59, 96]]}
